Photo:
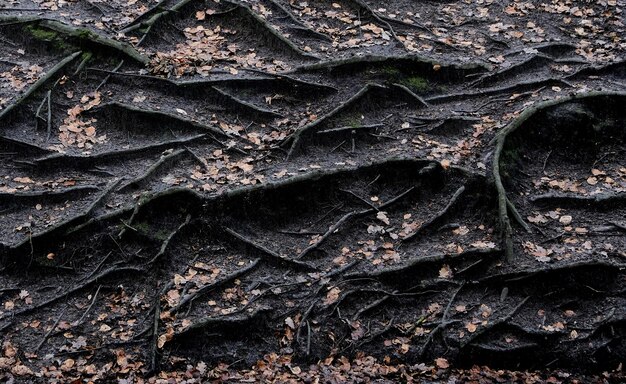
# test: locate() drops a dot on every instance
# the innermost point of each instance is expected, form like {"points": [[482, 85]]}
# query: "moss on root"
{"points": [[48, 36], [416, 83]]}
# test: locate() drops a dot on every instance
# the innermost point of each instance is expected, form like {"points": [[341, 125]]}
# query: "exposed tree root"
{"points": [[82, 34], [460, 70], [47, 335], [345, 218], [221, 321], [560, 268], [242, 104], [218, 283], [350, 128], [363, 6], [370, 307], [411, 95], [300, 26], [86, 160], [516, 215], [45, 78], [576, 199], [503, 320], [403, 23], [503, 201], [32, 195], [65, 225], [270, 255], [153, 16], [295, 137], [437, 217], [160, 115], [99, 219], [271, 30], [106, 79], [168, 239], [424, 260], [533, 61], [164, 159], [78, 287], [262, 81], [517, 87], [442, 325], [331, 230]]}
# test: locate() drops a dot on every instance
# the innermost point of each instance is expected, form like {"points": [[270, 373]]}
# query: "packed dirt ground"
{"points": [[317, 191]]}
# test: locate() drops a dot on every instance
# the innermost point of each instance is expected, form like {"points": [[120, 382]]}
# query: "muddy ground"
{"points": [[312, 190]]}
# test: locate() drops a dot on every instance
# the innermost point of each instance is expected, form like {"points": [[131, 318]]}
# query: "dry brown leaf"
{"points": [[332, 296]]}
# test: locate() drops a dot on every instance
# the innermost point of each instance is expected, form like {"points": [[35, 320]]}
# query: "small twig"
{"points": [[545, 162], [349, 128], [329, 232], [49, 122], [106, 79], [308, 338], [38, 111], [443, 324], [168, 239], [453, 200], [155, 337], [47, 335], [93, 301]]}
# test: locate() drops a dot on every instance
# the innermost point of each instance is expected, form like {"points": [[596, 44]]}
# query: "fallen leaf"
{"points": [[442, 363], [332, 296]]}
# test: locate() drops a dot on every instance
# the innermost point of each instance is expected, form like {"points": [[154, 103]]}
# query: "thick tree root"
{"points": [[152, 169], [41, 81], [76, 288], [299, 25], [437, 217], [64, 225], [517, 87], [90, 159], [82, 34], [188, 298], [36, 195], [504, 205], [575, 199], [424, 260], [456, 69], [168, 240], [295, 137], [270, 255], [261, 22], [160, 115]]}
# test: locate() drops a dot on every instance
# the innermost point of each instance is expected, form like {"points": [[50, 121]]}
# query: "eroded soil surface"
{"points": [[312, 190]]}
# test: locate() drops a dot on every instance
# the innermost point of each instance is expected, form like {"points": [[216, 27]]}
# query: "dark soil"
{"points": [[239, 190]]}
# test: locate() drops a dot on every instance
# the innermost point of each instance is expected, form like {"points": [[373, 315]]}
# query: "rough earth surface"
{"points": [[318, 191]]}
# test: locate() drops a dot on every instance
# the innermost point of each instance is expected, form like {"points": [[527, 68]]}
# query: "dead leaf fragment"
{"points": [[332, 296], [442, 363]]}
